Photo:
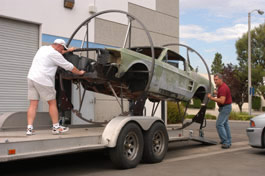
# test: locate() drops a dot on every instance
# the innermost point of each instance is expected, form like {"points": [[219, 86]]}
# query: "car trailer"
{"points": [[129, 137]]}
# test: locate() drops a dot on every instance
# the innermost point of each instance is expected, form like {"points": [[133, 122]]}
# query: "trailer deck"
{"points": [[17, 145]]}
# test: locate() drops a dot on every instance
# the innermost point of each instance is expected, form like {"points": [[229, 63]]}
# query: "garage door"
{"points": [[19, 42]]}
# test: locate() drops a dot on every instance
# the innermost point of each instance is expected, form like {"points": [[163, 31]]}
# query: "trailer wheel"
{"points": [[155, 143], [129, 148]]}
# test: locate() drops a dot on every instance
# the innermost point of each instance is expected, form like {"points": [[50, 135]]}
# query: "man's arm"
{"points": [[69, 50], [220, 100], [77, 72], [74, 70]]}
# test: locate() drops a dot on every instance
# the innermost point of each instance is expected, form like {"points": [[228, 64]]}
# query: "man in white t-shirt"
{"points": [[41, 78]]}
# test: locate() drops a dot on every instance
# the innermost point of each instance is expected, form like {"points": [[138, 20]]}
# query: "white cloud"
{"points": [[208, 23], [211, 50], [221, 34]]}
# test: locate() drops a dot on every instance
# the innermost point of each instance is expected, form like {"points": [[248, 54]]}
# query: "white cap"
{"points": [[60, 42]]}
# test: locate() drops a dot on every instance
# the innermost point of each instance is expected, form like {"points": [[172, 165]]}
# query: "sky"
{"points": [[211, 26]]}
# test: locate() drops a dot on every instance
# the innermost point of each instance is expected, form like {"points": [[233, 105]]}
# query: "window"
{"points": [[147, 51], [175, 60]]}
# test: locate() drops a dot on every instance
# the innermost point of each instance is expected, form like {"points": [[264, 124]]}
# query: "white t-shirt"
{"points": [[45, 64]]}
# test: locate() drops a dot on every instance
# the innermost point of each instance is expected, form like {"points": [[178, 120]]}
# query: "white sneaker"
{"points": [[30, 132], [60, 129]]}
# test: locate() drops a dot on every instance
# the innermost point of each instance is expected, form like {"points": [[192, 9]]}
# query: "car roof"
{"points": [[146, 50]]}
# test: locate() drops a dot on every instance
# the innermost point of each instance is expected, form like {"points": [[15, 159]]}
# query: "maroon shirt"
{"points": [[224, 90]]}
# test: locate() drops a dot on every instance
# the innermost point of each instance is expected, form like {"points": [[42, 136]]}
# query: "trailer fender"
{"points": [[111, 132]]}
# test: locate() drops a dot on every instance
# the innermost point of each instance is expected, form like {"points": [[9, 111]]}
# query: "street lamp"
{"points": [[250, 90]]}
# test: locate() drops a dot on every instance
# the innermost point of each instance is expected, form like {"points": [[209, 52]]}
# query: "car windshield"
{"points": [[147, 51]]}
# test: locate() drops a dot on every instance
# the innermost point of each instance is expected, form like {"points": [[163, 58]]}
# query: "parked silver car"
{"points": [[256, 132]]}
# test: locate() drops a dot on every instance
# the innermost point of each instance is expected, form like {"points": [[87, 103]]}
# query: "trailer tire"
{"points": [[155, 143], [129, 148]]}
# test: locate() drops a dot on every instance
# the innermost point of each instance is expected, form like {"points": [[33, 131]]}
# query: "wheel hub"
{"points": [[158, 142], [131, 146]]}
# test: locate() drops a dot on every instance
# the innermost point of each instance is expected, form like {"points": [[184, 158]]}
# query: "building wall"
{"points": [[59, 21], [162, 27], [171, 7], [55, 19]]}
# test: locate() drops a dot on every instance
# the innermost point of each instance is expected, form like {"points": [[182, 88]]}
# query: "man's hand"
{"points": [[81, 72], [210, 96], [220, 100], [68, 50], [71, 49], [215, 92], [78, 72]]}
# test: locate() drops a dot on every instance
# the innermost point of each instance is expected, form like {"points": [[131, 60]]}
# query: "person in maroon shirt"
{"points": [[224, 101]]}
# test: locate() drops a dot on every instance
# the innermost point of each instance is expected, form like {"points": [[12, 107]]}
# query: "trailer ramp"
{"points": [[175, 134]]}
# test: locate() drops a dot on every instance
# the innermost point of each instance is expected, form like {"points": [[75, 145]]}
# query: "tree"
{"points": [[237, 83], [217, 65], [257, 57]]}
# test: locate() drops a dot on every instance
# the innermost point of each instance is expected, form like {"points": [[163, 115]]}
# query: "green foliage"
{"points": [[217, 65], [257, 57], [233, 116], [257, 79], [197, 104], [239, 116], [256, 103], [211, 105], [236, 81], [263, 109], [210, 116], [174, 115], [207, 116]]}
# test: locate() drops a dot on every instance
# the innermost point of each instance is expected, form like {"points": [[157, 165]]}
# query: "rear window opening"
{"points": [[147, 51]]}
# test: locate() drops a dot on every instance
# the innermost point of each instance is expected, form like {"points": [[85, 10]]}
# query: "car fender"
{"points": [[203, 86], [197, 87], [112, 130], [124, 68]]}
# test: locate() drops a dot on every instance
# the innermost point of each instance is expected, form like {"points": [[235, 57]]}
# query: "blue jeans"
{"points": [[222, 124]]}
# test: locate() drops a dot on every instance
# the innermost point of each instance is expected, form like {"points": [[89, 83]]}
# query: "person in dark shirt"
{"points": [[224, 101]]}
